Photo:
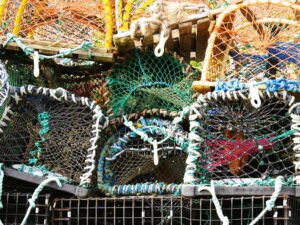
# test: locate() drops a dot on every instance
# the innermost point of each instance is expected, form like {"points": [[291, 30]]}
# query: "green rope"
{"points": [[283, 135], [249, 182], [43, 119], [62, 53]]}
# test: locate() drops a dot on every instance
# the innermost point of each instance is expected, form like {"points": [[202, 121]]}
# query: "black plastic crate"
{"points": [[173, 210], [15, 206]]}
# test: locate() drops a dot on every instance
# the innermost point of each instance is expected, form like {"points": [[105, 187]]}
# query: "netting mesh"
{"points": [[68, 21], [147, 82], [174, 11], [43, 135], [238, 141], [128, 158], [127, 11], [255, 40], [4, 84]]}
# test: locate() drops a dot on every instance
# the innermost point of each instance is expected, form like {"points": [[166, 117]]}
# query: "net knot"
{"points": [[31, 203], [86, 45]]}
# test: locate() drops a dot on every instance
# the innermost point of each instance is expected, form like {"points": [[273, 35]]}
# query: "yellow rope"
{"points": [[18, 19], [3, 4], [109, 15], [126, 16], [119, 13], [140, 10]]}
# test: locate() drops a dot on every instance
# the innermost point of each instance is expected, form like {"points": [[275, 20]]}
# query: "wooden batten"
{"points": [[189, 37], [53, 48]]}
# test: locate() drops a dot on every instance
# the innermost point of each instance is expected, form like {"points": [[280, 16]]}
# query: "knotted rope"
{"points": [[216, 202], [271, 202], [37, 57], [35, 195]]}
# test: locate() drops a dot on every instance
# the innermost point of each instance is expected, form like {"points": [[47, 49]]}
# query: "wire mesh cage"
{"points": [[50, 132], [254, 40], [148, 82], [172, 210], [234, 143], [144, 155], [68, 21], [16, 204]]}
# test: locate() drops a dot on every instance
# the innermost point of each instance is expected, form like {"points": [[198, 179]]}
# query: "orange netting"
{"points": [[66, 21], [75, 21], [255, 40]]}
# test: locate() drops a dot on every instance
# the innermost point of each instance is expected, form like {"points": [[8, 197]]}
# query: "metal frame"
{"points": [[16, 204], [173, 210]]}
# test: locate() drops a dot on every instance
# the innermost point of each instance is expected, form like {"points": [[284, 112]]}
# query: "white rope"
{"points": [[163, 37], [35, 195], [216, 202], [145, 137], [254, 96], [4, 85], [148, 26], [36, 62], [271, 202], [5, 117]]}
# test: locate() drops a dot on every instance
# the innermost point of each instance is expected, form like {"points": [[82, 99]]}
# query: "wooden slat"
{"points": [[170, 43], [185, 39], [52, 48], [202, 38], [124, 43], [249, 15]]}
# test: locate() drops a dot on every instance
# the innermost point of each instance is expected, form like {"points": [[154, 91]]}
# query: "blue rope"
{"points": [[271, 85]]}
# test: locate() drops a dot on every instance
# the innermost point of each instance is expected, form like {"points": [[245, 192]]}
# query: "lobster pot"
{"points": [[68, 21], [149, 82], [240, 210], [254, 40], [131, 164], [47, 132], [234, 143]]}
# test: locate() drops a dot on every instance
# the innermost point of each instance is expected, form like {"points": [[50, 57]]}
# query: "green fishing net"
{"points": [[147, 82], [18, 75]]}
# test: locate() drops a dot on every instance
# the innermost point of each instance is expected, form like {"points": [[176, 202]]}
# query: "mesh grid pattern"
{"points": [[239, 141], [128, 159], [62, 153], [68, 21], [16, 204], [255, 40], [50, 135], [148, 82], [172, 210]]}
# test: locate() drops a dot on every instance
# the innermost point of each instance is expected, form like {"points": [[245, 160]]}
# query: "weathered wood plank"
{"points": [[51, 48], [202, 36], [185, 39], [124, 43]]}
